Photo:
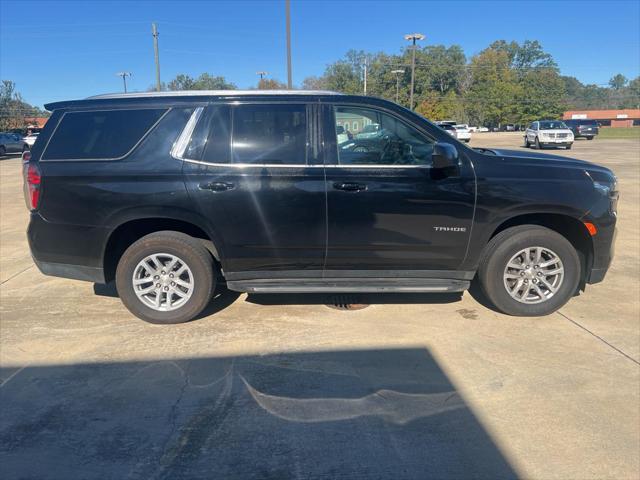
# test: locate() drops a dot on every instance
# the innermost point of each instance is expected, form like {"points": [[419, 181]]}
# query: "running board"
{"points": [[347, 285]]}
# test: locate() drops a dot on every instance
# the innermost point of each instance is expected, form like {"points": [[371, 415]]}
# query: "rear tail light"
{"points": [[32, 182]]}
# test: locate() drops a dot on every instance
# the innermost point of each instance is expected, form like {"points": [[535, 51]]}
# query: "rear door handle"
{"points": [[350, 186], [217, 186]]}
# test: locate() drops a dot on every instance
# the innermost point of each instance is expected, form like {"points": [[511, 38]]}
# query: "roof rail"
{"points": [[210, 93]]}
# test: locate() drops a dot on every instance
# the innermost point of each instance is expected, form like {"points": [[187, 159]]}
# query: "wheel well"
{"points": [[569, 227], [127, 233]]}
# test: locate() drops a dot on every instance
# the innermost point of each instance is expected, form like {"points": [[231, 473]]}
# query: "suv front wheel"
{"points": [[165, 277], [529, 271]]}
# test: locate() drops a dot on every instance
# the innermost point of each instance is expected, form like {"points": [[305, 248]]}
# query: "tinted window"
{"points": [[211, 138], [552, 125], [100, 134], [269, 134], [384, 141], [217, 148]]}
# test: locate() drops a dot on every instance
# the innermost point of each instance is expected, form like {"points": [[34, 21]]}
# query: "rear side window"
{"points": [[212, 136], [269, 134], [100, 135]]}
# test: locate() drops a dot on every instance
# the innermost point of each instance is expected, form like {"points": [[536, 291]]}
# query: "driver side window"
{"points": [[379, 139]]}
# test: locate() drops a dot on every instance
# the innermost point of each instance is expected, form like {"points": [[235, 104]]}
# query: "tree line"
{"points": [[15, 113], [507, 82]]}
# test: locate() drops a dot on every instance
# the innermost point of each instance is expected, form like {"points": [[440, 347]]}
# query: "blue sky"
{"points": [[71, 49]]}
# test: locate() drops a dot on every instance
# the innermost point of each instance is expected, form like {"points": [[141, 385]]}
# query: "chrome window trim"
{"points": [[110, 159], [182, 142]]}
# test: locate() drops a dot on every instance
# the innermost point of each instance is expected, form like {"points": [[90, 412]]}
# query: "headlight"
{"points": [[610, 190]]}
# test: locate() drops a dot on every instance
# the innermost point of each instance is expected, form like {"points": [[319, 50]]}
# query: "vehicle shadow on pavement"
{"points": [[384, 413], [353, 298]]}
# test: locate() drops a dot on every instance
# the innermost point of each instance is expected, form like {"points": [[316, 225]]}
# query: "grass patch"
{"points": [[625, 132]]}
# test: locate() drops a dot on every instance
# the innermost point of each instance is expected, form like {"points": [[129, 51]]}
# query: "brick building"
{"points": [[607, 118]]}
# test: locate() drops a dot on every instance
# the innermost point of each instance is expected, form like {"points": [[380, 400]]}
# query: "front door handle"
{"points": [[350, 186], [217, 186]]}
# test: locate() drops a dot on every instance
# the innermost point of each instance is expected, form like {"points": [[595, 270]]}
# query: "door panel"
{"points": [[387, 208], [261, 196]]}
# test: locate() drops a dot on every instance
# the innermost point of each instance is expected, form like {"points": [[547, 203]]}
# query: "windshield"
{"points": [[552, 125]]}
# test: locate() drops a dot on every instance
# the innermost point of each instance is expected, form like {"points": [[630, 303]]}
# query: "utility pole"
{"points": [[365, 74], [288, 15], [398, 73], [262, 74], [124, 76], [413, 37], [154, 32]]}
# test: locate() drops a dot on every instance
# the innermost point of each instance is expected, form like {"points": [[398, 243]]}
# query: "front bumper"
{"points": [[555, 144]]}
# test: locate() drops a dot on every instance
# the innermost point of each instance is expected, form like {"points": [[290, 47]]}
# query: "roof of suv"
{"points": [[211, 93], [183, 94]]}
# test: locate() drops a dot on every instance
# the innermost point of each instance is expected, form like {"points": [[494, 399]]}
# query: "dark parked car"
{"points": [[171, 193], [12, 143], [583, 128]]}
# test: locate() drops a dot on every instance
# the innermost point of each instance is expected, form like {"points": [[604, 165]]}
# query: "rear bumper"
{"points": [[76, 272], [69, 251]]}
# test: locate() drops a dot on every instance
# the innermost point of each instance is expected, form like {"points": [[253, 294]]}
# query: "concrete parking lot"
{"points": [[413, 386]]}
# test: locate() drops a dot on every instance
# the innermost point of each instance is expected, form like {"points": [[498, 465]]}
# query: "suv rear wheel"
{"points": [[165, 277], [529, 271]]}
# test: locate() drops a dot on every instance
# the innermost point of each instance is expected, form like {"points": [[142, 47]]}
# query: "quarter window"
{"points": [[269, 134], [105, 134], [383, 140]]}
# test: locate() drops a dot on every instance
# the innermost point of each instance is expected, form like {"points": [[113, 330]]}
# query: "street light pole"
{"points": [[288, 20], [413, 37], [156, 54], [365, 74], [124, 76], [398, 73]]}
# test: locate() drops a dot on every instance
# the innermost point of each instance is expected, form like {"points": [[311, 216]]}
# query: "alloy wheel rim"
{"points": [[163, 282], [533, 275]]}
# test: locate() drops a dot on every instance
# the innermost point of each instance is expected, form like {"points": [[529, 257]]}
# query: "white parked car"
{"points": [[31, 139], [545, 133], [462, 133], [483, 129]]}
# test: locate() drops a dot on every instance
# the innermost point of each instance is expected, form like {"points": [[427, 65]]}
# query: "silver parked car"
{"points": [[12, 143]]}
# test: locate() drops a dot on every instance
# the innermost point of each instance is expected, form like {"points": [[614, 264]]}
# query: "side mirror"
{"points": [[444, 155], [339, 130]]}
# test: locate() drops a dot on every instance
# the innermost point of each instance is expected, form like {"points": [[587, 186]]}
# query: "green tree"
{"points": [[271, 84], [204, 82], [14, 111], [618, 81], [434, 106], [494, 90]]}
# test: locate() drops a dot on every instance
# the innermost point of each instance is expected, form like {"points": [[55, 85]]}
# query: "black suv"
{"points": [[583, 128], [171, 193]]}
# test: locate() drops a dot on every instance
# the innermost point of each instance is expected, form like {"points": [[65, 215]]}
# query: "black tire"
{"points": [[590, 138], [508, 243], [568, 147], [526, 142], [537, 144], [190, 251]]}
